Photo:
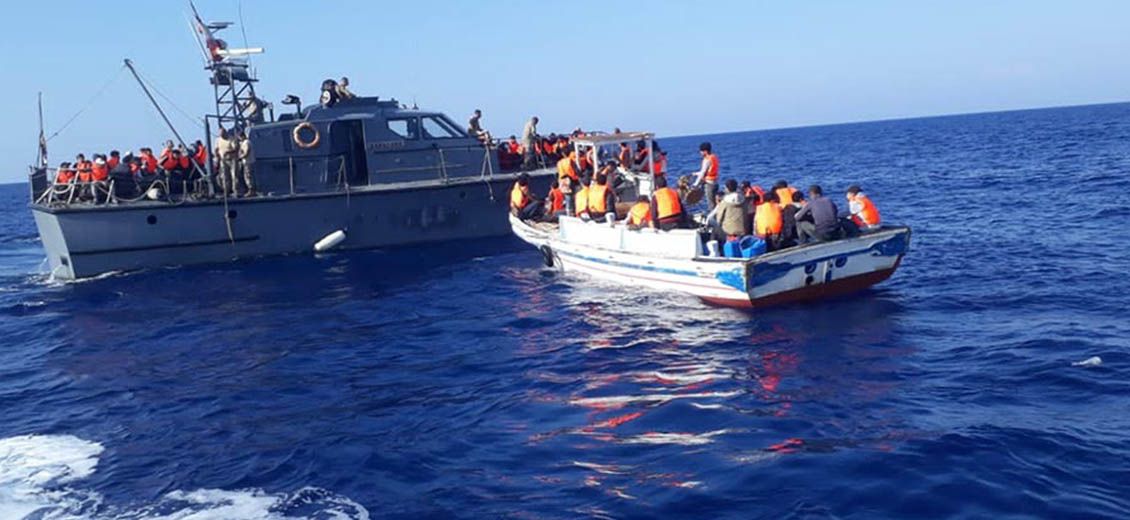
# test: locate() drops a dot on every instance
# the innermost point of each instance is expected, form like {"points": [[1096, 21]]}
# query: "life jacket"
{"points": [[712, 168], [184, 162], [148, 163], [785, 195], [584, 162], [868, 215], [640, 214], [767, 220], [518, 197], [84, 170], [581, 202], [660, 163], [667, 203], [113, 162], [514, 148], [65, 176], [597, 196], [168, 162], [200, 156], [99, 172], [556, 200], [566, 169]]}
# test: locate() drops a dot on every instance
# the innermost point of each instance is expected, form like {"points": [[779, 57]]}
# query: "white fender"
{"points": [[330, 241]]}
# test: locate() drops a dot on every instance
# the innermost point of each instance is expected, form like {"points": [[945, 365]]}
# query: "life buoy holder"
{"points": [[306, 145]]}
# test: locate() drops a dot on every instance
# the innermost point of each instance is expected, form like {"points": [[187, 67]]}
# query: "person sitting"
{"points": [[768, 223], [640, 213], [475, 128], [166, 160], [342, 89], [65, 174], [114, 161], [817, 220], [522, 205], [864, 216], [601, 199], [666, 208], [788, 220], [149, 163], [513, 146], [729, 214], [554, 202], [581, 199], [784, 191]]}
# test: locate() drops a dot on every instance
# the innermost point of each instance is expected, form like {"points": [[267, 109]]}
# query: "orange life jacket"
{"points": [[869, 215], [597, 196], [168, 162], [65, 176], [767, 220], [556, 200], [785, 195], [113, 162], [184, 162], [514, 148], [581, 201], [667, 203], [640, 214], [566, 169], [200, 155], [99, 172], [84, 170], [518, 197], [660, 164], [712, 168], [148, 163]]}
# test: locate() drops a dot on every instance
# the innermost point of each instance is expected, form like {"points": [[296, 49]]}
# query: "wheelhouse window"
{"points": [[437, 128], [404, 127]]}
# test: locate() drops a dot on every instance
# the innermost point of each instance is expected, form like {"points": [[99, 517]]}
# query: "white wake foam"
{"points": [[40, 477]]}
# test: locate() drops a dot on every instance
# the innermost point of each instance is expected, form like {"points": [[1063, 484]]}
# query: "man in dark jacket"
{"points": [[824, 224], [788, 219]]}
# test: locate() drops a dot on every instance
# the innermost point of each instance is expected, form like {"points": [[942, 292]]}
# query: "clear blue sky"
{"points": [[679, 67]]}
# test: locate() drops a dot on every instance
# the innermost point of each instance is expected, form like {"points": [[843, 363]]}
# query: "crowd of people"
{"points": [[781, 215], [176, 169]]}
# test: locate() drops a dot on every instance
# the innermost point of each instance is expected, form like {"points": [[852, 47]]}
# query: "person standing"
{"points": [[529, 138], [707, 175], [817, 220], [243, 156], [226, 151]]}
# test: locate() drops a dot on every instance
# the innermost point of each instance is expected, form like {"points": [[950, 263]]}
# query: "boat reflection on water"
{"points": [[662, 379]]}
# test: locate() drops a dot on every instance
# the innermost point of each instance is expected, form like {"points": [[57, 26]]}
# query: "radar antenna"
{"points": [[233, 83]]}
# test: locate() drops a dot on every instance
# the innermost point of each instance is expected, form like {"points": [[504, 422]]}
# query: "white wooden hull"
{"points": [[676, 262]]}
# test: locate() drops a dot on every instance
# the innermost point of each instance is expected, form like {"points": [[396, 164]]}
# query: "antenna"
{"points": [[42, 159]]}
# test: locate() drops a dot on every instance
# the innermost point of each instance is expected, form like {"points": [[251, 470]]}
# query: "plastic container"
{"points": [[712, 248], [733, 249], [751, 246]]}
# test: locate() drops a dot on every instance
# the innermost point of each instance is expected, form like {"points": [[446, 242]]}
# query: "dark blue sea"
{"points": [[467, 381]]}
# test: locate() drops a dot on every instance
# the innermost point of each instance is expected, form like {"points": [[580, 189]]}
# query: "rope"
{"points": [[89, 103], [179, 110]]}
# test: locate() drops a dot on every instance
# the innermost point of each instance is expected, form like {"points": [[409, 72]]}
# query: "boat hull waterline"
{"points": [[815, 271]]}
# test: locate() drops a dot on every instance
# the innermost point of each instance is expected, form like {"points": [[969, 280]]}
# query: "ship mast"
{"points": [[233, 84]]}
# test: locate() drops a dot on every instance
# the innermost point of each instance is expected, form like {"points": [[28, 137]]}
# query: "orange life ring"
{"points": [[305, 145]]}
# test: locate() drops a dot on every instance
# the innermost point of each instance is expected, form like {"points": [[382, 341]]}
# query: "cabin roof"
{"points": [[612, 138]]}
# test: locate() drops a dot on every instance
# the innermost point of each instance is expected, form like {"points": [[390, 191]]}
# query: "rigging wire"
{"points": [[243, 30], [89, 103], [179, 110]]}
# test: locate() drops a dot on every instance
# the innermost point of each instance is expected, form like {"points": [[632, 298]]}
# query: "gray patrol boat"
{"points": [[347, 173]]}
